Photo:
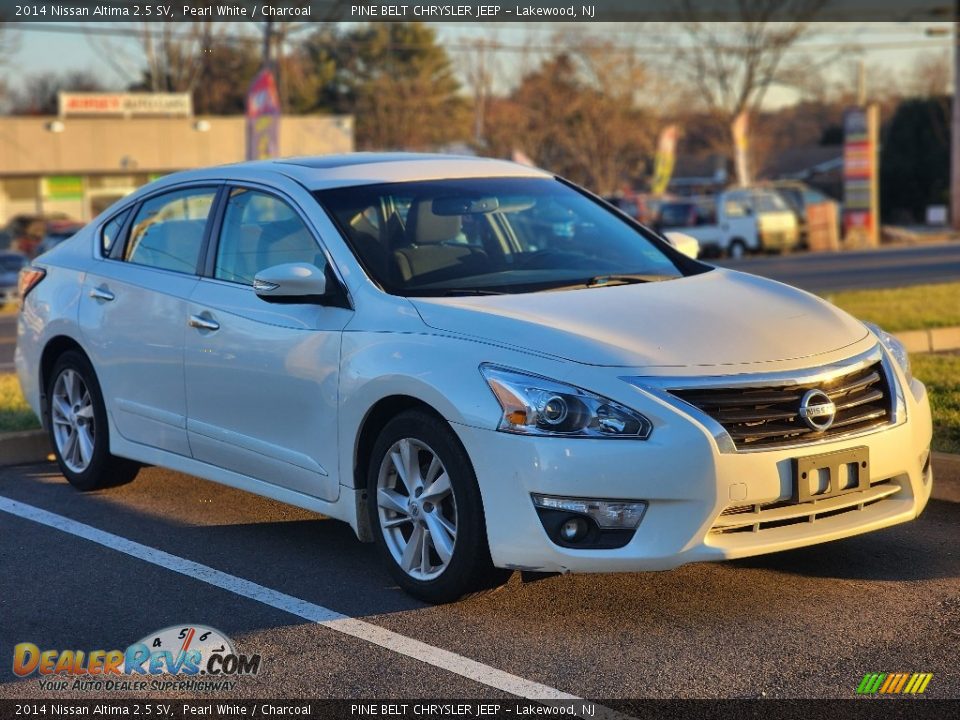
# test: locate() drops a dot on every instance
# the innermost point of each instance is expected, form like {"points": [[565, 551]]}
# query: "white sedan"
{"points": [[479, 366]]}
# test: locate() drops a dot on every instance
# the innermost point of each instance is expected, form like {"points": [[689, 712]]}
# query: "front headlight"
{"points": [[535, 405], [895, 348]]}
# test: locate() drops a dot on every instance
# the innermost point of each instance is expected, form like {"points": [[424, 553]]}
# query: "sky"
{"points": [[884, 47]]}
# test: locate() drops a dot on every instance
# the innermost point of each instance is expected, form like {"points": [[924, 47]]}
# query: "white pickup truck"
{"points": [[734, 222]]}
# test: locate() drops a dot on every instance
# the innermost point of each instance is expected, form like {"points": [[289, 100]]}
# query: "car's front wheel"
{"points": [[77, 424], [737, 250], [425, 507]]}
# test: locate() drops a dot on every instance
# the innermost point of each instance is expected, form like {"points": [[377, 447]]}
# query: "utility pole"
{"points": [[955, 125], [862, 82], [268, 42]]}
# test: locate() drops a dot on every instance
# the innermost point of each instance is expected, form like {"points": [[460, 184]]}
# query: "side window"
{"points": [[167, 231], [260, 231], [735, 206], [111, 231]]}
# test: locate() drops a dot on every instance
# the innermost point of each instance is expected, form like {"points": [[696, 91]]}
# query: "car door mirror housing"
{"points": [[291, 283], [687, 244]]}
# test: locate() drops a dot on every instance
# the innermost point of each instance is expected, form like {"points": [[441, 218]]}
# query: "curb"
{"points": [[932, 340], [21, 448], [947, 460]]}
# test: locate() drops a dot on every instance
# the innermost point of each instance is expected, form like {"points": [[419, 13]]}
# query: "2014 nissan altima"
{"points": [[479, 366]]}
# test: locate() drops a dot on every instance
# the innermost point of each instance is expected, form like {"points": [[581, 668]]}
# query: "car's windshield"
{"points": [[490, 235], [770, 202]]}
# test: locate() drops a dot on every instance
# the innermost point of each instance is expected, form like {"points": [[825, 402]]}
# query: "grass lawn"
{"points": [[941, 374], [909, 308], [15, 414]]}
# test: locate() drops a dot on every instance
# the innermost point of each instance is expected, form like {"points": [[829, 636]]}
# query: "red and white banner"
{"points": [[263, 117], [860, 128]]}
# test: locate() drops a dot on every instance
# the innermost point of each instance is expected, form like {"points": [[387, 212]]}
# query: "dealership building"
{"points": [[102, 146]]}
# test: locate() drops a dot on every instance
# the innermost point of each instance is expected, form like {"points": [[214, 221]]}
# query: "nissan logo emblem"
{"points": [[817, 410]]}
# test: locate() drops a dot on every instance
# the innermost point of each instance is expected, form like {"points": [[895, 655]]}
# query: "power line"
{"points": [[471, 45]]}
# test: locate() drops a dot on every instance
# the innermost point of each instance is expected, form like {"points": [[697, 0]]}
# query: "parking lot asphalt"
{"points": [[806, 623], [885, 267]]}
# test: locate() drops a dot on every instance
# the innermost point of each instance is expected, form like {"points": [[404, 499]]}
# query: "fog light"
{"points": [[573, 529], [607, 514]]}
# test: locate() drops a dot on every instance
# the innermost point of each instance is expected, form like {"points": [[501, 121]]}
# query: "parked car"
{"points": [[734, 222], [799, 196], [24, 233], [11, 264], [416, 345], [57, 232]]}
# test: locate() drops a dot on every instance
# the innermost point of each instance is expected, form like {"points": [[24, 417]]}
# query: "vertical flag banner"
{"points": [[665, 160], [740, 129], [860, 184], [263, 117]]}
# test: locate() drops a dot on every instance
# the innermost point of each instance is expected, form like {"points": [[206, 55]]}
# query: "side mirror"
{"points": [[291, 283], [686, 244]]}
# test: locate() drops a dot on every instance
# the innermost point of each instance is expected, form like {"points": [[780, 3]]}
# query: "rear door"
{"points": [[262, 378], [133, 312]]}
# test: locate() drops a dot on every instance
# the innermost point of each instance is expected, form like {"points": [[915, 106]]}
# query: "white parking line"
{"points": [[444, 659]]}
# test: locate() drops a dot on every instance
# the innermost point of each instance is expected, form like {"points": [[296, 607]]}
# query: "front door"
{"points": [[262, 378]]}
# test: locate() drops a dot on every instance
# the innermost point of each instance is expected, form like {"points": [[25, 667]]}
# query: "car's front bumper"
{"points": [[688, 483]]}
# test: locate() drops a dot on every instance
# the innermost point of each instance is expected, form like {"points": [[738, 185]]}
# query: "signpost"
{"points": [[124, 104], [665, 160], [861, 226], [263, 117]]}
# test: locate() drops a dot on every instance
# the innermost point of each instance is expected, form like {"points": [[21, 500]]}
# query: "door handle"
{"points": [[102, 294], [203, 323]]}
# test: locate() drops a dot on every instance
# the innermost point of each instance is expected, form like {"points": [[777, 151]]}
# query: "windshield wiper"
{"points": [[624, 279], [470, 291]]}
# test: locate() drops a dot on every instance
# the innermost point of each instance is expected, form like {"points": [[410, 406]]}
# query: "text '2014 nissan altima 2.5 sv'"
{"points": [[479, 366]]}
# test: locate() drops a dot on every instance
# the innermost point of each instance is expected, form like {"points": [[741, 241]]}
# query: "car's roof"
{"points": [[324, 171]]}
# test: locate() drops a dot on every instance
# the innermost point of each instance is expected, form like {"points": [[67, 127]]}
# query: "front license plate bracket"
{"points": [[844, 471]]}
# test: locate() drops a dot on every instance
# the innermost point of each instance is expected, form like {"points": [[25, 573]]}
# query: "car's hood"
{"points": [[716, 318]]}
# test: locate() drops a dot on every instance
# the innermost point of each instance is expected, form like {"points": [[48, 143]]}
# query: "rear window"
{"points": [[167, 231]]}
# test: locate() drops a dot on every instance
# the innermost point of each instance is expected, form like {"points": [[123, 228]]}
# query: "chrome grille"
{"points": [[757, 417]]}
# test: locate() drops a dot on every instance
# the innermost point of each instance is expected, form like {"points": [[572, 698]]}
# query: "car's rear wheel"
{"points": [[425, 506], [77, 424]]}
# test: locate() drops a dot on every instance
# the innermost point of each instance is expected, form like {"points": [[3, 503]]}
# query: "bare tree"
{"points": [[929, 77], [38, 94], [732, 65], [159, 57], [8, 45]]}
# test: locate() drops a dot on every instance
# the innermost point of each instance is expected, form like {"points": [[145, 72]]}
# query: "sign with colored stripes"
{"points": [[894, 683]]}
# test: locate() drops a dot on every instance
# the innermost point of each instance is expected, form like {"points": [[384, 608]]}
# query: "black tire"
{"points": [[469, 569], [737, 249], [103, 470]]}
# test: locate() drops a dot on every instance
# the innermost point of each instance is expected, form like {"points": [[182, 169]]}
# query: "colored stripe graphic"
{"points": [[894, 683]]}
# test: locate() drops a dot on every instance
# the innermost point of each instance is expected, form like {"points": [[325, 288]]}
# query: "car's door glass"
{"points": [[735, 208], [168, 230], [259, 231], [111, 231]]}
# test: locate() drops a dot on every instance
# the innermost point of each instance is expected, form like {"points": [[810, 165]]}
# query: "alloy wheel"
{"points": [[417, 509], [74, 428]]}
